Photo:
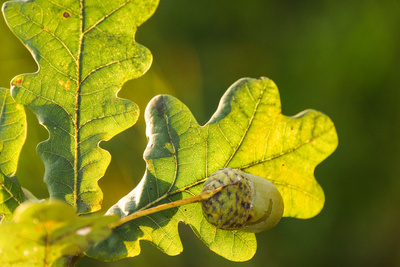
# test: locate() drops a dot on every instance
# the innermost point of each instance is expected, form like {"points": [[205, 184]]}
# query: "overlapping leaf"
{"points": [[85, 51], [247, 132], [12, 138], [42, 233]]}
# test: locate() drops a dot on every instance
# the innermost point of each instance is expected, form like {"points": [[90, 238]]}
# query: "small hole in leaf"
{"points": [[66, 15]]}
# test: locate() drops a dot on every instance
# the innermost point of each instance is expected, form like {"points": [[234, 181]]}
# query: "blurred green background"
{"points": [[339, 57]]}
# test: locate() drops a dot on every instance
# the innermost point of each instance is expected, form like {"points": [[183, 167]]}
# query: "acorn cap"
{"points": [[228, 209], [246, 203]]}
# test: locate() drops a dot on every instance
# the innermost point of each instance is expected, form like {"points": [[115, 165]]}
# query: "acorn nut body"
{"points": [[247, 202]]}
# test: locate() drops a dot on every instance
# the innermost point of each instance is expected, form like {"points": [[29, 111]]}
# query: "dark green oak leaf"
{"points": [[247, 132], [12, 138], [43, 233], [86, 51]]}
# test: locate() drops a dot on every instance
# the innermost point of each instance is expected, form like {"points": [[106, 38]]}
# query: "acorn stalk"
{"points": [[231, 200]]}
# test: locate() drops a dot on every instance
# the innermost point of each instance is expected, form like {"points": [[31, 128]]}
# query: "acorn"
{"points": [[246, 202]]}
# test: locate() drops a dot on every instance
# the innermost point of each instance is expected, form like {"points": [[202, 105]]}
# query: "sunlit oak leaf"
{"points": [[247, 132], [12, 138], [42, 233], [86, 51]]}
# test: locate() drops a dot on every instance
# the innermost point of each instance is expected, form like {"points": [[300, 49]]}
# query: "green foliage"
{"points": [[248, 132], [12, 137], [85, 52], [42, 233]]}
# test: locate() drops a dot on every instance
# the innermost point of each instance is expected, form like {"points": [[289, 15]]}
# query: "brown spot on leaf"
{"points": [[66, 85], [66, 15], [17, 82]]}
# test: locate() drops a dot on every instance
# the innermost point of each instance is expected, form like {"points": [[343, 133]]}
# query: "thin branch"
{"points": [[198, 198]]}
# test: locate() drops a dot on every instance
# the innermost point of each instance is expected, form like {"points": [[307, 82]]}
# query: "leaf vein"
{"points": [[49, 32], [287, 151], [105, 17], [248, 126]]}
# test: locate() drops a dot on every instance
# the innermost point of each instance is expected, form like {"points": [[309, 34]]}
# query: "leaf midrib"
{"points": [[79, 82], [76, 121]]}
